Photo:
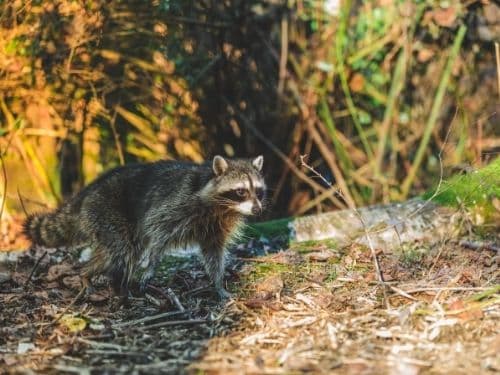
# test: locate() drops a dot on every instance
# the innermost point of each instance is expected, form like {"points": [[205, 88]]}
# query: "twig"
{"points": [[175, 300], [497, 55], [34, 269], [118, 353], [438, 289], [402, 293], [170, 295], [22, 202], [365, 229], [102, 345], [176, 323], [149, 318], [4, 195], [80, 293], [283, 55], [302, 176], [476, 245]]}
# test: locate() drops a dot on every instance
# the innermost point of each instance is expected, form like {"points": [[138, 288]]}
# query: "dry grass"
{"points": [[437, 322]]}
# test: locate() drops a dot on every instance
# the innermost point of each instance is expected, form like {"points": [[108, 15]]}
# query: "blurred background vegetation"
{"points": [[373, 92]]}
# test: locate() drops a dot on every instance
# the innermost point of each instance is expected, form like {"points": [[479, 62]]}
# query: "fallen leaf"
{"points": [[72, 323], [286, 257], [19, 278], [425, 54], [72, 282], [357, 82], [320, 256], [465, 311], [445, 17], [99, 296], [256, 303], [58, 270], [269, 287]]}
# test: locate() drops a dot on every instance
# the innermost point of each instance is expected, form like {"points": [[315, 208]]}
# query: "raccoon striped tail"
{"points": [[51, 229]]}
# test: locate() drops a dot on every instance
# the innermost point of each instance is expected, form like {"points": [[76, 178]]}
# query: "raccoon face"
{"points": [[238, 185]]}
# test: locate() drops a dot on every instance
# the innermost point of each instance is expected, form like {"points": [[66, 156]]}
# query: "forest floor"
{"points": [[303, 307]]}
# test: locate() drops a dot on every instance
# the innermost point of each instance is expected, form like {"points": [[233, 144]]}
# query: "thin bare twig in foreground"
{"points": [[497, 54], [149, 318], [4, 195], [80, 293], [476, 245], [365, 229], [22, 202], [176, 323], [170, 295], [35, 268]]}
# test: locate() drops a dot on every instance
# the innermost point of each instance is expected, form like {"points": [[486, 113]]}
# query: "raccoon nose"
{"points": [[256, 208]]}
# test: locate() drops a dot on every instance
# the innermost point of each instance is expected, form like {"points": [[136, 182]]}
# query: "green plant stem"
{"points": [[340, 36], [396, 87], [326, 115], [431, 122]]}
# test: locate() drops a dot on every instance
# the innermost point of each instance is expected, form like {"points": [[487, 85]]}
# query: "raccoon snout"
{"points": [[256, 208]]}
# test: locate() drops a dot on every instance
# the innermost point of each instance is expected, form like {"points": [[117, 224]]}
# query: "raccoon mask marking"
{"points": [[238, 185]]}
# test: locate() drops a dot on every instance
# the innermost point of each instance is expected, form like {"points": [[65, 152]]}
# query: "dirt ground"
{"points": [[308, 307]]}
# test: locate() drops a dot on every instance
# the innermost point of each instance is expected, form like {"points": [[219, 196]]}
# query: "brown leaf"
{"points": [[324, 299], [19, 278], [99, 296], [425, 54], [465, 311], [357, 82], [284, 257], [320, 256], [58, 270], [269, 287], [445, 17], [73, 282], [256, 303]]}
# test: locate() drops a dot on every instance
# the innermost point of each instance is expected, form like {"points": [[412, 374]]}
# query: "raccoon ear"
{"points": [[219, 165], [257, 162]]}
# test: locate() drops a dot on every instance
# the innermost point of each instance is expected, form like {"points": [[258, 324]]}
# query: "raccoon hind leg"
{"points": [[104, 262]]}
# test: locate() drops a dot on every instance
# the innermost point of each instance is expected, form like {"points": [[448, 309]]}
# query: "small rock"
{"points": [[4, 276], [24, 347]]}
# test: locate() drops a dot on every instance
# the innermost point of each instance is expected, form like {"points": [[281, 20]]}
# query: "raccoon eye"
{"points": [[259, 193], [241, 192]]}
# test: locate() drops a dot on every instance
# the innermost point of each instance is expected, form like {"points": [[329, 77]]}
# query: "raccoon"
{"points": [[132, 215]]}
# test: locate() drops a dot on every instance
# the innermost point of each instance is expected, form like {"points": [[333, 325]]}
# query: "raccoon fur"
{"points": [[132, 215]]}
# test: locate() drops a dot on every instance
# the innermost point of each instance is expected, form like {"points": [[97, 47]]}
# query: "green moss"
{"points": [[472, 189], [313, 245], [169, 264], [412, 255], [267, 229]]}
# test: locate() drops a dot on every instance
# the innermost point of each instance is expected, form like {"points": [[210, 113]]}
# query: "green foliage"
{"points": [[267, 229], [477, 188], [90, 85]]}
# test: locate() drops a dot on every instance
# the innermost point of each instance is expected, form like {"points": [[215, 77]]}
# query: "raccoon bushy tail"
{"points": [[51, 229]]}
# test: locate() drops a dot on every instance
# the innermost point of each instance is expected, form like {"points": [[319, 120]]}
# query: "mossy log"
{"points": [[386, 225]]}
